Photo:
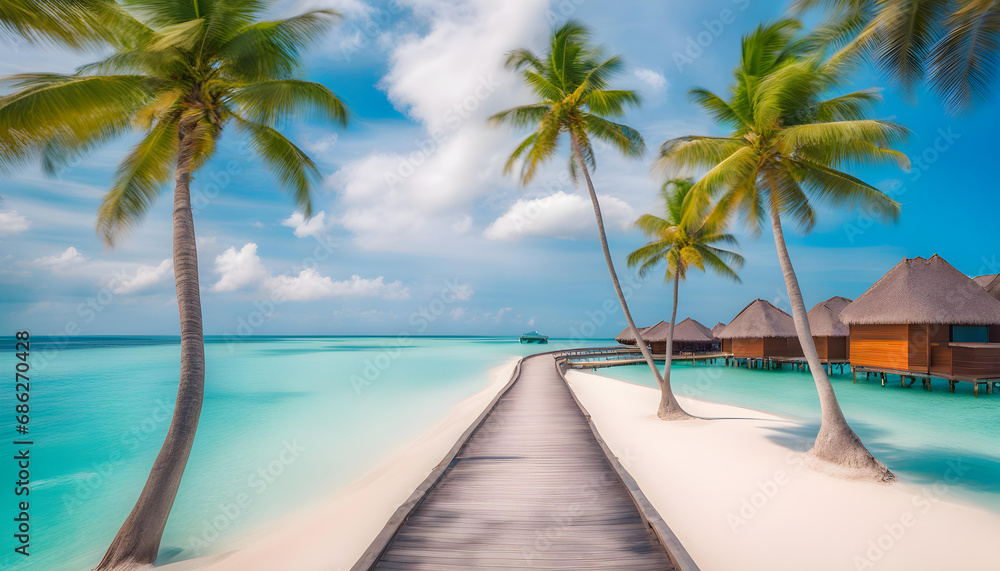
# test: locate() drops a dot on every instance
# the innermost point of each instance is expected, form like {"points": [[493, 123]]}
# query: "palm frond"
{"points": [[271, 50], [138, 182], [291, 166], [269, 102]]}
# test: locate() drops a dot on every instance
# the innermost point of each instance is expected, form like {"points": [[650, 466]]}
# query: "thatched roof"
{"points": [[759, 319], [718, 327], [824, 318], [687, 331], [990, 283], [625, 336], [922, 290]]}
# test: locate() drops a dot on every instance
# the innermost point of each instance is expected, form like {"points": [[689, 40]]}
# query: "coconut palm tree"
{"points": [[74, 23], [570, 82], [188, 71], [682, 244], [786, 152], [953, 44]]}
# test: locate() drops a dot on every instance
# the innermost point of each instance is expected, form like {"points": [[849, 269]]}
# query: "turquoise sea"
{"points": [[337, 405], [100, 407]]}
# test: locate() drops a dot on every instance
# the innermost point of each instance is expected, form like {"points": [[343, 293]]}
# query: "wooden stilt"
{"points": [[855, 374], [882, 376], [951, 386], [975, 390]]}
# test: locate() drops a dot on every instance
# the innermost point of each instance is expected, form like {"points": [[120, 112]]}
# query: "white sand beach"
{"points": [[739, 500], [332, 535]]}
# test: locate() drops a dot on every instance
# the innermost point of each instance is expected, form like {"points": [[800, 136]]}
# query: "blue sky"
{"points": [[419, 232]]}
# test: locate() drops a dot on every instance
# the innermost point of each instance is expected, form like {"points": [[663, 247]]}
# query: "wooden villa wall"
{"points": [[727, 345], [922, 348], [766, 347], [821, 344], [747, 347], [831, 348], [881, 346], [980, 362]]}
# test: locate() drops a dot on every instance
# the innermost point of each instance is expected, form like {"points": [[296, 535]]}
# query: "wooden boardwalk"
{"points": [[531, 488]]}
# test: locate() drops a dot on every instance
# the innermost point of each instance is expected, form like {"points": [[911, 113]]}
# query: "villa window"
{"points": [[969, 334]]}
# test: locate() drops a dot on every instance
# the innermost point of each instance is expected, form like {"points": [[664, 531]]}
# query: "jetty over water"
{"points": [[529, 486]]}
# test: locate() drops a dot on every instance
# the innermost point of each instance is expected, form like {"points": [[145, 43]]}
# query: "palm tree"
{"points": [[954, 44], [785, 151], [187, 71], [682, 245], [570, 82], [74, 23]]}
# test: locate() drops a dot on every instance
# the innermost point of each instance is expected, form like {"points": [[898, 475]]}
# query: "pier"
{"points": [[529, 485]]}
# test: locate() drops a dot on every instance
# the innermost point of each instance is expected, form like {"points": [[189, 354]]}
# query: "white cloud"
{"points": [[70, 257], [463, 225], [12, 222], [457, 313], [499, 314], [322, 146], [303, 228], [531, 322], [559, 215], [310, 285], [242, 268], [448, 80], [239, 269], [145, 278], [462, 291], [652, 78]]}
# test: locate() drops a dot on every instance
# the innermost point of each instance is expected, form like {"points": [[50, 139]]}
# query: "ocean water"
{"points": [[318, 411], [924, 437]]}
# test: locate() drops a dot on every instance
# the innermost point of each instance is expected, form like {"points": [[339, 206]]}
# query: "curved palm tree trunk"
{"points": [[138, 540], [666, 393], [836, 443], [669, 407]]}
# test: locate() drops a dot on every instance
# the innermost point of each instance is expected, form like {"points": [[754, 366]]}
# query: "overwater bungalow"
{"points": [[990, 283], [689, 337], [718, 327], [926, 319], [761, 331], [626, 338], [829, 333], [715, 335]]}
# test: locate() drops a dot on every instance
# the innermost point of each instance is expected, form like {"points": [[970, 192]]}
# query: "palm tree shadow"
{"points": [[961, 469]]}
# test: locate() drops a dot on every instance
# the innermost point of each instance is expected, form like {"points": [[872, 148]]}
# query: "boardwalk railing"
{"points": [[374, 552], [532, 454]]}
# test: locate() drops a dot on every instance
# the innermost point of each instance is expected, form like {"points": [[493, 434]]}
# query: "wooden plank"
{"points": [[530, 487], [382, 540], [679, 556]]}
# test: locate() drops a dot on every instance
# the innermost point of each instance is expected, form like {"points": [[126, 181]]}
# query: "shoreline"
{"points": [[741, 482], [335, 533]]}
